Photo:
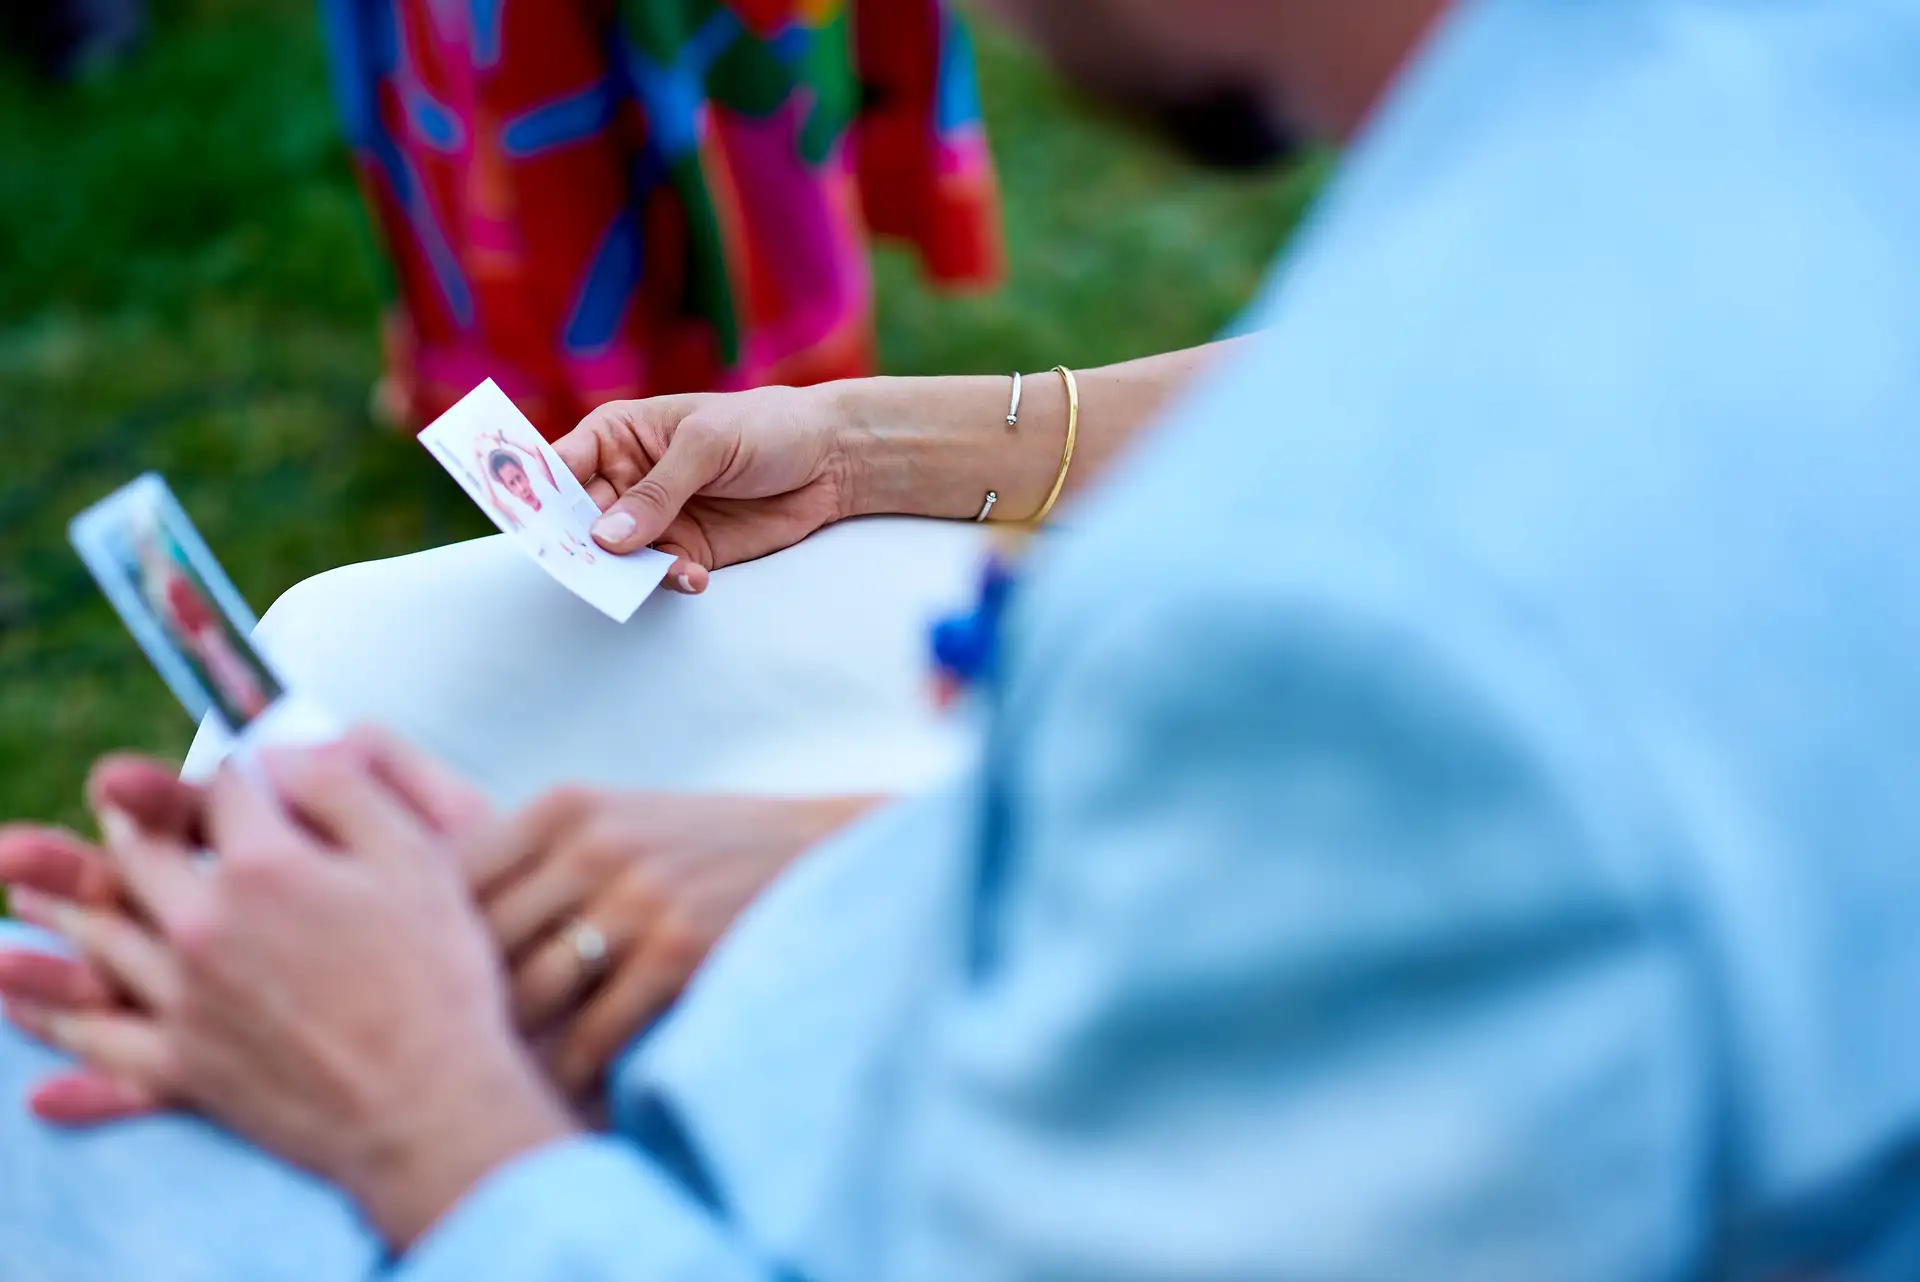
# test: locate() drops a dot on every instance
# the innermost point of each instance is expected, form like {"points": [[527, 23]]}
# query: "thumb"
{"points": [[694, 458]]}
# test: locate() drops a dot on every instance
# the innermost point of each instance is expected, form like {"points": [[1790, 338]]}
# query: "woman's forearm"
{"points": [[935, 446]]}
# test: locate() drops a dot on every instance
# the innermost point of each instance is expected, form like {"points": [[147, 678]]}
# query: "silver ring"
{"points": [[1013, 406], [589, 944], [993, 496]]}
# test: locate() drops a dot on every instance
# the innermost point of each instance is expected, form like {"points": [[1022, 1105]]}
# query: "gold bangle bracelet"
{"points": [[1073, 437]]}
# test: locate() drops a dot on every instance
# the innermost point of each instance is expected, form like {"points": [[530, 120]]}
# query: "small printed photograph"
{"points": [[525, 496], [177, 601], [507, 467]]}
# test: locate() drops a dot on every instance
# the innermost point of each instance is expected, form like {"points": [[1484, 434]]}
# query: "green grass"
{"points": [[187, 283]]}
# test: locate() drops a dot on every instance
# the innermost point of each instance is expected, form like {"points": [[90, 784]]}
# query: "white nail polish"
{"points": [[614, 526]]}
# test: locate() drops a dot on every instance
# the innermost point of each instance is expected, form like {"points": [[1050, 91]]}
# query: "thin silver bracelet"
{"points": [[1013, 419]]}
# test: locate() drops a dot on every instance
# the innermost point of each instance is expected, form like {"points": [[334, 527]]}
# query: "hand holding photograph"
{"points": [[505, 466]]}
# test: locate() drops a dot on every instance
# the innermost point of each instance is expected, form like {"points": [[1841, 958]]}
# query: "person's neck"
{"points": [[1333, 61]]}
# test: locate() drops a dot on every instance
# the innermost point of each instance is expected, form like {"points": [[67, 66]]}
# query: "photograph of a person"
{"points": [[174, 597], [495, 454], [520, 486], [235, 679]]}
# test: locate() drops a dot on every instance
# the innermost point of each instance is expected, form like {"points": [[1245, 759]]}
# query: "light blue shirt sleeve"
{"points": [[583, 1210], [1435, 1030]]}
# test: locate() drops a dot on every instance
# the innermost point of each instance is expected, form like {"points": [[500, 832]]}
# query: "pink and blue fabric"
{"points": [[589, 201]]}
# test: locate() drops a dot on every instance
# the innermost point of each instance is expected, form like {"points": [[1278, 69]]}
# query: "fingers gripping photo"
{"points": [[489, 447]]}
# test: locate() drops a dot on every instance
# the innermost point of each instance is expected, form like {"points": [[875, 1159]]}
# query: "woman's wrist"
{"points": [[936, 446]]}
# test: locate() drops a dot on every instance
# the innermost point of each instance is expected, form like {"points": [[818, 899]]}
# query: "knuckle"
{"points": [[367, 741], [649, 896], [558, 811], [565, 801], [613, 421], [260, 874], [594, 860], [650, 493], [607, 414], [337, 764], [699, 430], [198, 936], [679, 942], [315, 773], [603, 851], [710, 438]]}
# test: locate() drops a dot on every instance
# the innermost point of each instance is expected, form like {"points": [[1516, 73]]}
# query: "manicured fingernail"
{"points": [[613, 527], [685, 581], [117, 826]]}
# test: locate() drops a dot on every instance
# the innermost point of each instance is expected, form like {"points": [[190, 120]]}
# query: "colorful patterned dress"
{"points": [[587, 200]]}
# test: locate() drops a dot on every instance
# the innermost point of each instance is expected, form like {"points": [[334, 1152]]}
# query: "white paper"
{"points": [[508, 468]]}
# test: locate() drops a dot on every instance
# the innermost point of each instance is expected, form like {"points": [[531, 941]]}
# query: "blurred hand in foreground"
{"points": [[656, 879], [135, 797], [326, 989], [605, 904], [47, 867]]}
